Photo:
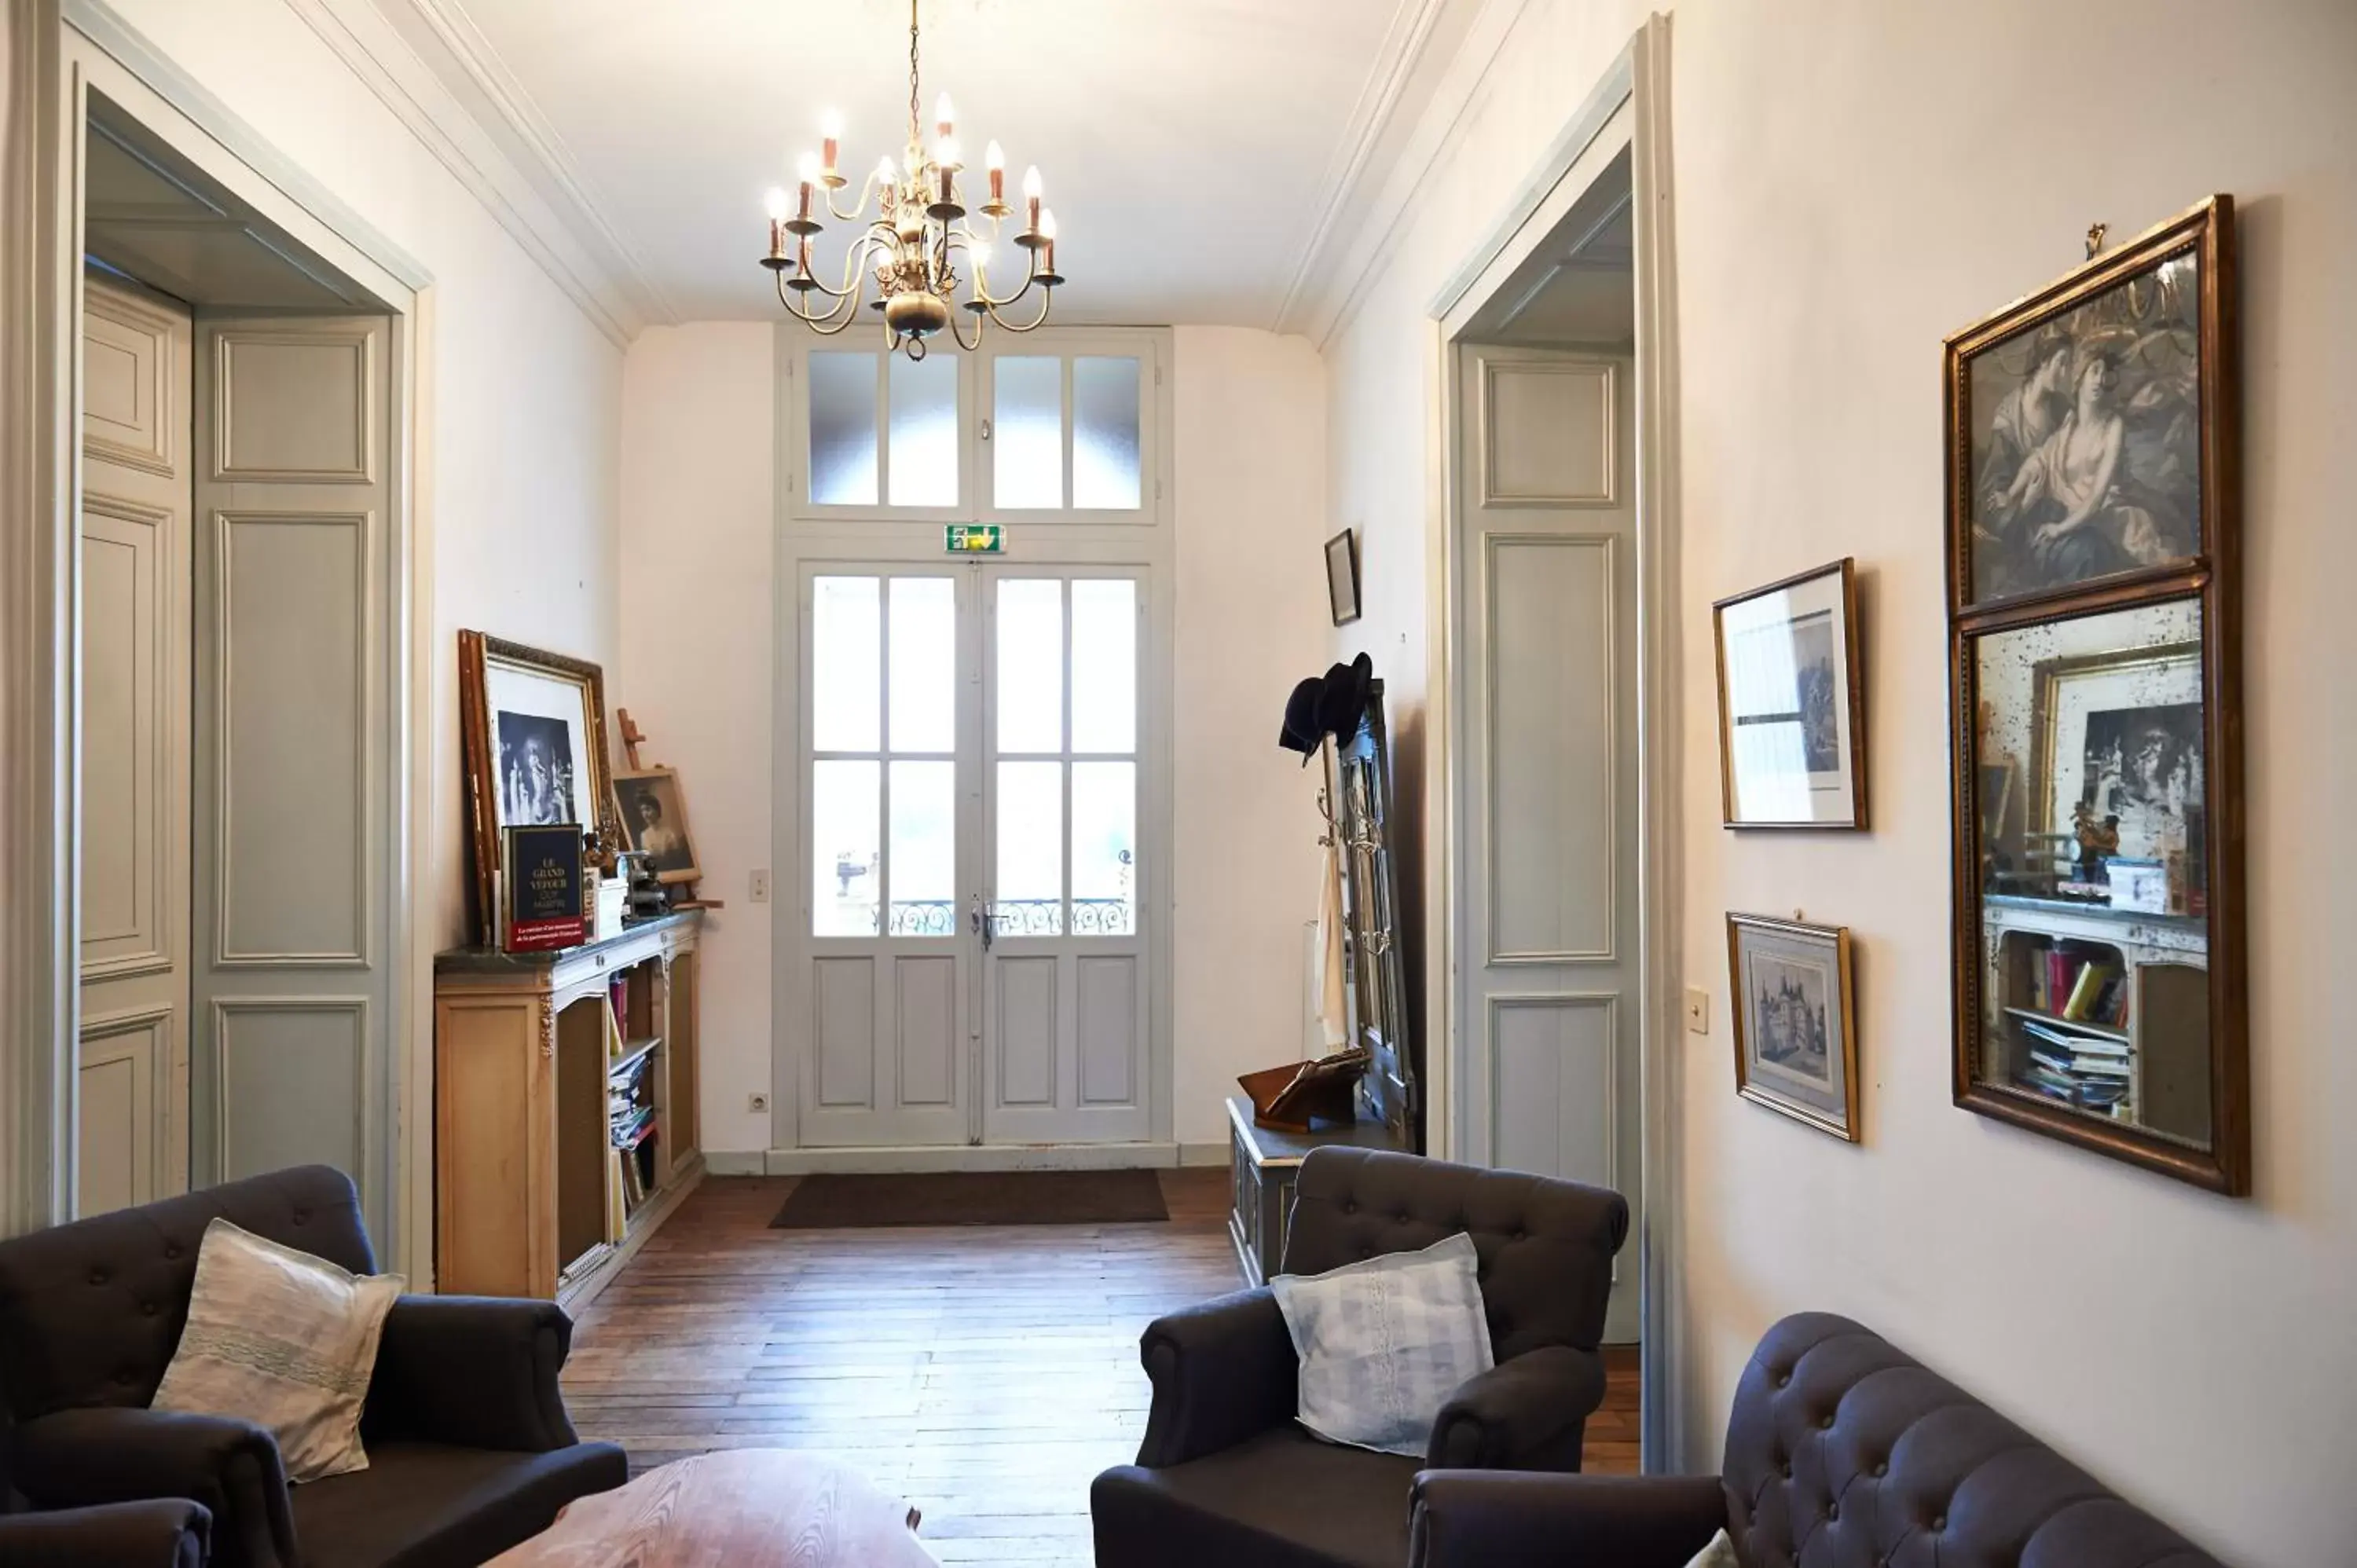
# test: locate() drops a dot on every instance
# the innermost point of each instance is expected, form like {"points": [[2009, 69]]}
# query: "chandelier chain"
{"points": [[915, 137]]}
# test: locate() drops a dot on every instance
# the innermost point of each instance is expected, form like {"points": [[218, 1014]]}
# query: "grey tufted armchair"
{"points": [[1226, 1476], [1842, 1452], [469, 1448]]}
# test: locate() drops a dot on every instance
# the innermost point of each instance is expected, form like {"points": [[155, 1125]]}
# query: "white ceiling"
{"points": [[1205, 158]]}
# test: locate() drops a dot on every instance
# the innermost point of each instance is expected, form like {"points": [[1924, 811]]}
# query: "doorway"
{"points": [[976, 947], [238, 671], [1553, 359]]}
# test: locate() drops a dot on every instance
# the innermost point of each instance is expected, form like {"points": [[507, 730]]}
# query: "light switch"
{"points": [[1697, 1010], [760, 890]]}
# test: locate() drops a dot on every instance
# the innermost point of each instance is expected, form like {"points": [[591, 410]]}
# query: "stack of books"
{"points": [[2087, 1070], [2078, 989]]}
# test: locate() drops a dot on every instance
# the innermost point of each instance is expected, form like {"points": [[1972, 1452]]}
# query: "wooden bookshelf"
{"points": [[546, 1064], [2163, 1041]]}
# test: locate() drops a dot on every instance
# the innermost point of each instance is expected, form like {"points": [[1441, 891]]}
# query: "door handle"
{"points": [[981, 922]]}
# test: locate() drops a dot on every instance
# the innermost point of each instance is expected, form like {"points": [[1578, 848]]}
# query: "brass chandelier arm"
{"points": [[1047, 303], [867, 190], [854, 285], [826, 326]]}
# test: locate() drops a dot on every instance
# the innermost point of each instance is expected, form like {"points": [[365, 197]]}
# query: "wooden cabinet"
{"points": [[1263, 1165], [546, 1065]]}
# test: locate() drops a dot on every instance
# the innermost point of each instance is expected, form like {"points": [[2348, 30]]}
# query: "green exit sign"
{"points": [[974, 538]]}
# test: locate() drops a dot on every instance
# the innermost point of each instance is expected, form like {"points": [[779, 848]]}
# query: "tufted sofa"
{"points": [[1842, 1452], [469, 1449], [1226, 1476]]}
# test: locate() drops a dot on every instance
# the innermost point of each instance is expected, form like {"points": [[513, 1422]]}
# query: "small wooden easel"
{"points": [[632, 736]]}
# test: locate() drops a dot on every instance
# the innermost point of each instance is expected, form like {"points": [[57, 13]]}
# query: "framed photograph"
{"points": [[1342, 576], [2091, 426], [1792, 707], [2117, 747], [533, 737], [654, 819], [1795, 1029]]}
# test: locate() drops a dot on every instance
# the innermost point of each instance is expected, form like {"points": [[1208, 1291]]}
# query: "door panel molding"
{"points": [[140, 1038], [353, 434], [142, 945], [281, 1150], [127, 355], [236, 943], [1495, 543], [1607, 1084], [1500, 490]]}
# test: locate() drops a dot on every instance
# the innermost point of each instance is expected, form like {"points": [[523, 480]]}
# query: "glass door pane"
{"points": [[1105, 433], [1104, 852], [1029, 899], [843, 429], [1030, 670], [923, 398], [1104, 664], [1026, 435], [846, 860]]}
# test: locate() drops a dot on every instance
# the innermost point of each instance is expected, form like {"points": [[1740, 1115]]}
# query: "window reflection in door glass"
{"points": [[923, 861], [846, 679], [1104, 664], [846, 864], [924, 665], [1104, 855], [1030, 871], [1030, 670]]}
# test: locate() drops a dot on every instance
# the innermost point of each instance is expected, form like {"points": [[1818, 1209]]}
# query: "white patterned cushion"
{"points": [[1384, 1343], [282, 1339], [1719, 1553]]}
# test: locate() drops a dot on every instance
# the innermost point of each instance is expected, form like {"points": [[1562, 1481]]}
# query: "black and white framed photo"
{"points": [[1795, 1030], [654, 820], [1342, 576], [535, 744], [1792, 710]]}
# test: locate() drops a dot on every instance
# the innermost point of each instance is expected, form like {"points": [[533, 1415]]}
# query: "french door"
{"points": [[976, 943]]}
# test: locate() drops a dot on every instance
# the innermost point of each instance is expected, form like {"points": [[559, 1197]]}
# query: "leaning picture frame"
{"points": [[1792, 703], [532, 739], [652, 815], [1795, 1020]]}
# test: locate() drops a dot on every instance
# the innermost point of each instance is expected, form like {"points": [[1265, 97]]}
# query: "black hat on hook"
{"points": [[1343, 701], [1301, 733]]}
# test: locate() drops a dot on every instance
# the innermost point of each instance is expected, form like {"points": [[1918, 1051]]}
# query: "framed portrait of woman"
{"points": [[533, 737], [2088, 443]]}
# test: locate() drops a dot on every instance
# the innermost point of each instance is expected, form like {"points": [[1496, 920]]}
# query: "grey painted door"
{"points": [[1547, 911], [293, 751], [131, 1077]]}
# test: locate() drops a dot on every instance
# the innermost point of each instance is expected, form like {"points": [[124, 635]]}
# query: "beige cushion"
{"points": [[282, 1339], [1719, 1553]]}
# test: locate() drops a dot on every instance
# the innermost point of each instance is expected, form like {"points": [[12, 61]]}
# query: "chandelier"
{"points": [[914, 246]]}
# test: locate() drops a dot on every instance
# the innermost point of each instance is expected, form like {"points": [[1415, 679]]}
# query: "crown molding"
{"points": [[1437, 130], [545, 160], [1350, 170], [519, 198]]}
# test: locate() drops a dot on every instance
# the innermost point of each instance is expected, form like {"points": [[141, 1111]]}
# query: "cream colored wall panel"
{"points": [[294, 1090], [295, 407], [1547, 435], [1550, 840], [131, 382], [294, 614]]}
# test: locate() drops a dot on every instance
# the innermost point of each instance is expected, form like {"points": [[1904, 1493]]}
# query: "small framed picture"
{"points": [[1795, 1033], [1792, 707], [1342, 576], [654, 821]]}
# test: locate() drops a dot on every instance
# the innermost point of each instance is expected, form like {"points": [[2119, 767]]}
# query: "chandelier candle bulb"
{"points": [[944, 116], [996, 161], [831, 129]]}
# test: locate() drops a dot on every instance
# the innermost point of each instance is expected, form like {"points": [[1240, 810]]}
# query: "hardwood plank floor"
{"points": [[986, 1373]]}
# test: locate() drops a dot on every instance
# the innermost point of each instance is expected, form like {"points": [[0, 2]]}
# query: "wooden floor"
{"points": [[987, 1374]]}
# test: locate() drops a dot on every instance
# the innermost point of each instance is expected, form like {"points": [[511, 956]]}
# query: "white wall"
{"points": [[698, 637], [518, 460], [698, 569], [1854, 181], [1252, 620]]}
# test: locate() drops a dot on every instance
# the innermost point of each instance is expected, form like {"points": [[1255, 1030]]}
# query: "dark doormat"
{"points": [[973, 1197]]}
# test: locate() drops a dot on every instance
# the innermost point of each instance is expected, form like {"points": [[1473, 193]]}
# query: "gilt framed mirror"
{"points": [[2094, 634]]}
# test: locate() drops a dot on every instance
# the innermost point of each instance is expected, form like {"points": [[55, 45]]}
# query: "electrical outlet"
{"points": [[1697, 1010], [758, 1104], [759, 889]]}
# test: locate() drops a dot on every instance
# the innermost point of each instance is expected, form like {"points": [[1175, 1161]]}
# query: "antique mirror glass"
{"points": [[1374, 961], [2092, 810]]}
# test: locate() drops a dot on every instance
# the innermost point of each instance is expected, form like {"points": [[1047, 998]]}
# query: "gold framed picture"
{"points": [[1792, 703], [532, 731], [653, 816], [1795, 1023]]}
